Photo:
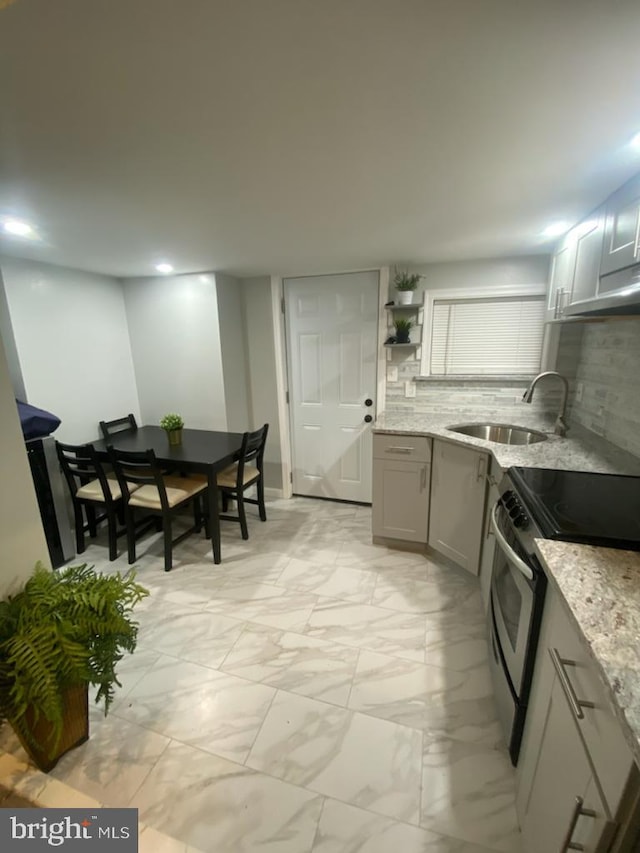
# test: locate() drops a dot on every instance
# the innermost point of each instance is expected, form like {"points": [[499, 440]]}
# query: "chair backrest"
{"points": [[80, 465], [109, 428], [252, 449], [139, 467]]}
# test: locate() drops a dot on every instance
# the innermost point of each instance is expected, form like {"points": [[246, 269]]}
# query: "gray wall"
{"points": [[21, 533], [175, 342], [72, 342], [234, 352], [262, 371], [451, 395]]}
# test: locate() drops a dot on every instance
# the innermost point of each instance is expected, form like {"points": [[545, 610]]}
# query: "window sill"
{"points": [[475, 377]]}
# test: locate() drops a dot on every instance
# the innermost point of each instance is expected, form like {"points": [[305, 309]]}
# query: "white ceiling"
{"points": [[298, 136]]}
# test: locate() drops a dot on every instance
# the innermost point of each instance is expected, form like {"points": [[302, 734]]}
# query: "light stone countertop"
{"points": [[580, 450], [601, 588]]}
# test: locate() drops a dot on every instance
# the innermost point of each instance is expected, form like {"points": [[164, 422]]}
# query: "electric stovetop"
{"points": [[577, 506]]}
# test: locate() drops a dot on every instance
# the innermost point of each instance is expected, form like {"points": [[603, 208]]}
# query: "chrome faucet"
{"points": [[560, 427]]}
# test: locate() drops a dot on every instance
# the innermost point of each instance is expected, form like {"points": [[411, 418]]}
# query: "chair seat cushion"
{"points": [[92, 491], [228, 479], [178, 489]]}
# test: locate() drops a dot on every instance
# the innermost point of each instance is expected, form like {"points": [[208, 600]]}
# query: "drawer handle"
{"points": [[399, 449], [578, 812], [576, 704]]}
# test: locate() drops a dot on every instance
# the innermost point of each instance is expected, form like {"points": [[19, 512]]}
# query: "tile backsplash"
{"points": [[607, 381], [600, 359]]}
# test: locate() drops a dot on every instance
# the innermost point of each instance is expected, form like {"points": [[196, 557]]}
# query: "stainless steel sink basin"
{"points": [[500, 433]]}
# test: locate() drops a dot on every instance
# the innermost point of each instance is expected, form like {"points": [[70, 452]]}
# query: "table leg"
{"points": [[214, 521]]}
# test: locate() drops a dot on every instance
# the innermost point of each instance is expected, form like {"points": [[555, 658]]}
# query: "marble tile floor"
{"points": [[312, 694]]}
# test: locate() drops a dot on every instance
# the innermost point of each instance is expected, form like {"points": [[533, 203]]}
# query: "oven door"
{"points": [[512, 599]]}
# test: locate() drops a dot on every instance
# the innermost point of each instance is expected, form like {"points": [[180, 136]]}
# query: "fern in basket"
{"points": [[65, 628]]}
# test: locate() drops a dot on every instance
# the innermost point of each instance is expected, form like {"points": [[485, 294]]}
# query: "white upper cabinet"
{"points": [[622, 225], [587, 241], [575, 270]]}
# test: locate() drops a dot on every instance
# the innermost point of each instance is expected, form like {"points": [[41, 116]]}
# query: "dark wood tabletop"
{"points": [[201, 451]]}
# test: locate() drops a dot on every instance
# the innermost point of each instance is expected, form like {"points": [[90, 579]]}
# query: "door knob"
{"points": [[368, 402], [368, 419]]}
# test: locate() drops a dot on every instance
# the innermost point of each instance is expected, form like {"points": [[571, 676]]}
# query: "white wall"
{"points": [[480, 274], [21, 533], [233, 348], [262, 371], [72, 341], [175, 343]]}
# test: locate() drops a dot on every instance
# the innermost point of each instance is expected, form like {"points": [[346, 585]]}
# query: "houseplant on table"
{"points": [[173, 425], [64, 630], [405, 283], [402, 327]]}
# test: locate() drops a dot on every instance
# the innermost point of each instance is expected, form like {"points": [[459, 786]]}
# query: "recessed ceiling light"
{"points": [[164, 268], [556, 229], [17, 228]]}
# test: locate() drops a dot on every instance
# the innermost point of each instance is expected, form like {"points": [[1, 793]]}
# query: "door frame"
{"points": [[282, 355]]}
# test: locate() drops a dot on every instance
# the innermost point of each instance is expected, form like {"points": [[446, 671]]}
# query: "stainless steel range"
{"points": [[574, 506]]}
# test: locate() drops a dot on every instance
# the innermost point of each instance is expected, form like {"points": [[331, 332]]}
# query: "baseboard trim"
{"points": [[273, 493]]}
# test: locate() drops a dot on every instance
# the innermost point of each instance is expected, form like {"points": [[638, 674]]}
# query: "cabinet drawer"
{"points": [[414, 448], [598, 725]]}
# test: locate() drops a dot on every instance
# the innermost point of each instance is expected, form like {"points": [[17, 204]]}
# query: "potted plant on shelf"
{"points": [[65, 630], [405, 283], [173, 425], [402, 327]]}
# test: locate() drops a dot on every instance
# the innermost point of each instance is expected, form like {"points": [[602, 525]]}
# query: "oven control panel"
{"points": [[514, 508]]}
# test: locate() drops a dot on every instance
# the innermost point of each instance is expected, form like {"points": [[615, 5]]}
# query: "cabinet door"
{"points": [[564, 806], [560, 278], [458, 487], [400, 500], [620, 247], [588, 254]]}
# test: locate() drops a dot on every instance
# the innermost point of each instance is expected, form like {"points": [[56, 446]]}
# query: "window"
{"points": [[498, 334]]}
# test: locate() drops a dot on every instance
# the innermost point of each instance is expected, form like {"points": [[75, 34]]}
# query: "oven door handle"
{"points": [[511, 554]]}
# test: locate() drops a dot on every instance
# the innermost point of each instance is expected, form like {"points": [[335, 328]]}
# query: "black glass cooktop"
{"points": [[577, 506]]}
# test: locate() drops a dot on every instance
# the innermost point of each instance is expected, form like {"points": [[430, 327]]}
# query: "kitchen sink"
{"points": [[500, 433]]}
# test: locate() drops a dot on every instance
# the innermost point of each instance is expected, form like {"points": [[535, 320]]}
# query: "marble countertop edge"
{"points": [[600, 590]]}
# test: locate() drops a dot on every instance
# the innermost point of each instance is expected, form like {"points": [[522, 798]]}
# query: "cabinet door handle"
{"points": [[423, 478], [576, 704], [399, 449], [482, 461], [556, 309], [578, 812]]}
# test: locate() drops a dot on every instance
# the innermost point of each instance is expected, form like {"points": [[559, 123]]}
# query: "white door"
{"points": [[332, 330]]}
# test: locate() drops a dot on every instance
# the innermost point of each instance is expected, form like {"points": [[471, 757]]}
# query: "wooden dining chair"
{"points": [[109, 428], [234, 481], [91, 489], [156, 493]]}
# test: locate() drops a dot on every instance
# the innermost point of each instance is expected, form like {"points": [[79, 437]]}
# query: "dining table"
{"points": [[201, 451]]}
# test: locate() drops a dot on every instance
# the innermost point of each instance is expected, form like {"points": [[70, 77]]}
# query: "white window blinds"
{"points": [[499, 335]]}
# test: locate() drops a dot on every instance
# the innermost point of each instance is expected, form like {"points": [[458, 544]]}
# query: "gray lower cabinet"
{"points": [[458, 488], [565, 806], [574, 764], [401, 477]]}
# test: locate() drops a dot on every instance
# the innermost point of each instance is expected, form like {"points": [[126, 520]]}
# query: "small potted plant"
{"points": [[405, 284], [173, 425], [66, 629], [402, 327]]}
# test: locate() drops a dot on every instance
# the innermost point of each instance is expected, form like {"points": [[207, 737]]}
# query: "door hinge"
{"points": [[282, 304]]}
